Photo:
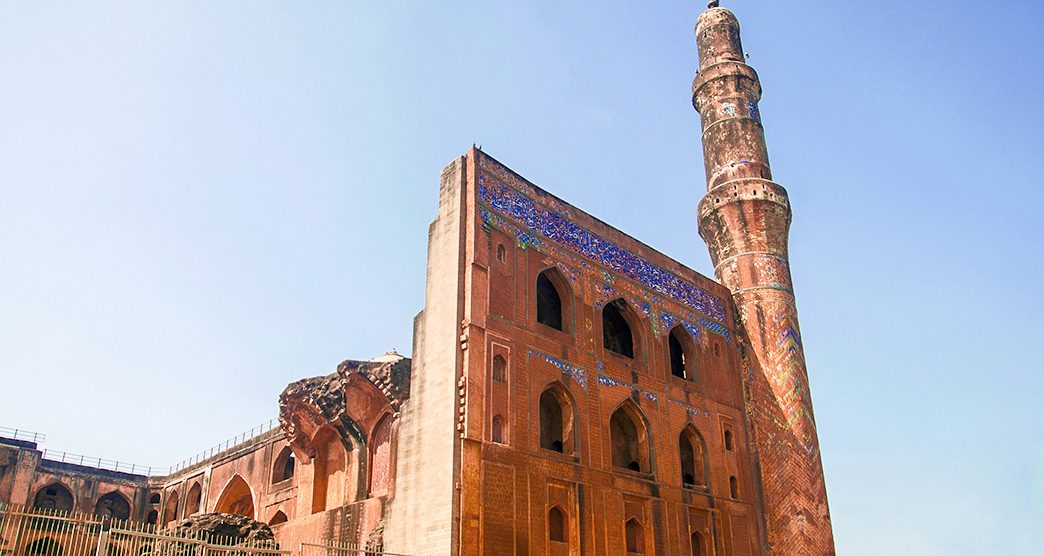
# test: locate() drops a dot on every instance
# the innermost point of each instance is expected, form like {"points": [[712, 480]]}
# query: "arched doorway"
{"points": [[236, 499]]}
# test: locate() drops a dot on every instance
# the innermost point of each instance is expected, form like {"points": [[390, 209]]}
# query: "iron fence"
{"points": [[22, 434], [50, 532]]}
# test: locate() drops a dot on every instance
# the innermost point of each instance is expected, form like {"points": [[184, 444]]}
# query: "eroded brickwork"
{"points": [[745, 218]]}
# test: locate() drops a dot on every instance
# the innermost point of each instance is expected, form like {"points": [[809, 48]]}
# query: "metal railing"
{"points": [[241, 438], [50, 532], [110, 464], [342, 549], [21, 434]]}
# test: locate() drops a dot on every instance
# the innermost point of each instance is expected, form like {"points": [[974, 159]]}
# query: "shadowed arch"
{"points": [[682, 353], [170, 509], [54, 496], [278, 518], [557, 419], [193, 498], [284, 465], [692, 451], [629, 436], [329, 468], [621, 328], [114, 505], [236, 498], [553, 299]]}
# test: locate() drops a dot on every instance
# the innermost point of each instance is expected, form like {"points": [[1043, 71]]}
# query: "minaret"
{"points": [[745, 218]]}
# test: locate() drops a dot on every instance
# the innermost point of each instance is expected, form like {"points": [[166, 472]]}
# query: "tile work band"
{"points": [[538, 221]]}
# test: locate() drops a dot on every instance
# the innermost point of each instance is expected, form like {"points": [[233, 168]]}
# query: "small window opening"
{"points": [[728, 439], [155, 498], [716, 352], [284, 465], [501, 252], [498, 430], [693, 465], [549, 303], [628, 443], [697, 544], [734, 487], [679, 367], [557, 525], [551, 422], [152, 517], [499, 368], [635, 537], [278, 518], [616, 333]]}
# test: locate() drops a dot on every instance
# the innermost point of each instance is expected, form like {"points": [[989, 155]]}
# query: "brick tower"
{"points": [[745, 218]]}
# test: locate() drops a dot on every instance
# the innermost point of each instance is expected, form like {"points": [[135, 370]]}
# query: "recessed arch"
{"points": [[634, 535], [692, 452], [193, 498], [236, 498], [152, 517], [114, 505], [154, 498], [380, 456], [284, 465], [329, 468], [682, 353], [557, 525], [698, 544], [500, 373], [170, 509], [54, 496], [553, 299], [629, 437], [497, 434], [734, 490], [557, 419], [620, 328], [278, 518]]}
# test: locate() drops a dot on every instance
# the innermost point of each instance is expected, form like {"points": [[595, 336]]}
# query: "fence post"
{"points": [[103, 538]]}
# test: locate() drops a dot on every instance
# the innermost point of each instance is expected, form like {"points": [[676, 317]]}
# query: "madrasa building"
{"points": [[571, 389]]}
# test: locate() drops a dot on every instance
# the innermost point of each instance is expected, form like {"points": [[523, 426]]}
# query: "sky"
{"points": [[203, 201]]}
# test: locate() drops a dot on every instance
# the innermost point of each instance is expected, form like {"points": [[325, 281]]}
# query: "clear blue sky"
{"points": [[202, 201]]}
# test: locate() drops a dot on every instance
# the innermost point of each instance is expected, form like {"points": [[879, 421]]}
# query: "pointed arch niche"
{"points": [[554, 297], [692, 452], [380, 456], [557, 416], [114, 505], [621, 329], [329, 468], [54, 497], [236, 498], [682, 353], [629, 436]]}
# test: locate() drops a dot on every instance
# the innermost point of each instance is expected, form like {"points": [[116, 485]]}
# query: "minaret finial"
{"points": [[713, 4]]}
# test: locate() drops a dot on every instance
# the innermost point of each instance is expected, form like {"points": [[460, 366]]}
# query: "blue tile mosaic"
{"points": [[537, 221], [717, 329], [692, 411], [608, 381], [578, 374]]}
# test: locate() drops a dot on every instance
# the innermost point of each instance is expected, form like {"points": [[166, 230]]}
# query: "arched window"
{"points": [[557, 525], [734, 487], [283, 465], [170, 511], [693, 461], [54, 497], [697, 544], [616, 332], [497, 433], [635, 536], [556, 420], [193, 499], [501, 252], [113, 505], [236, 499], [380, 457], [278, 518], [499, 368], [154, 498], [549, 300], [152, 518], [329, 467], [629, 438], [728, 439], [682, 356]]}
